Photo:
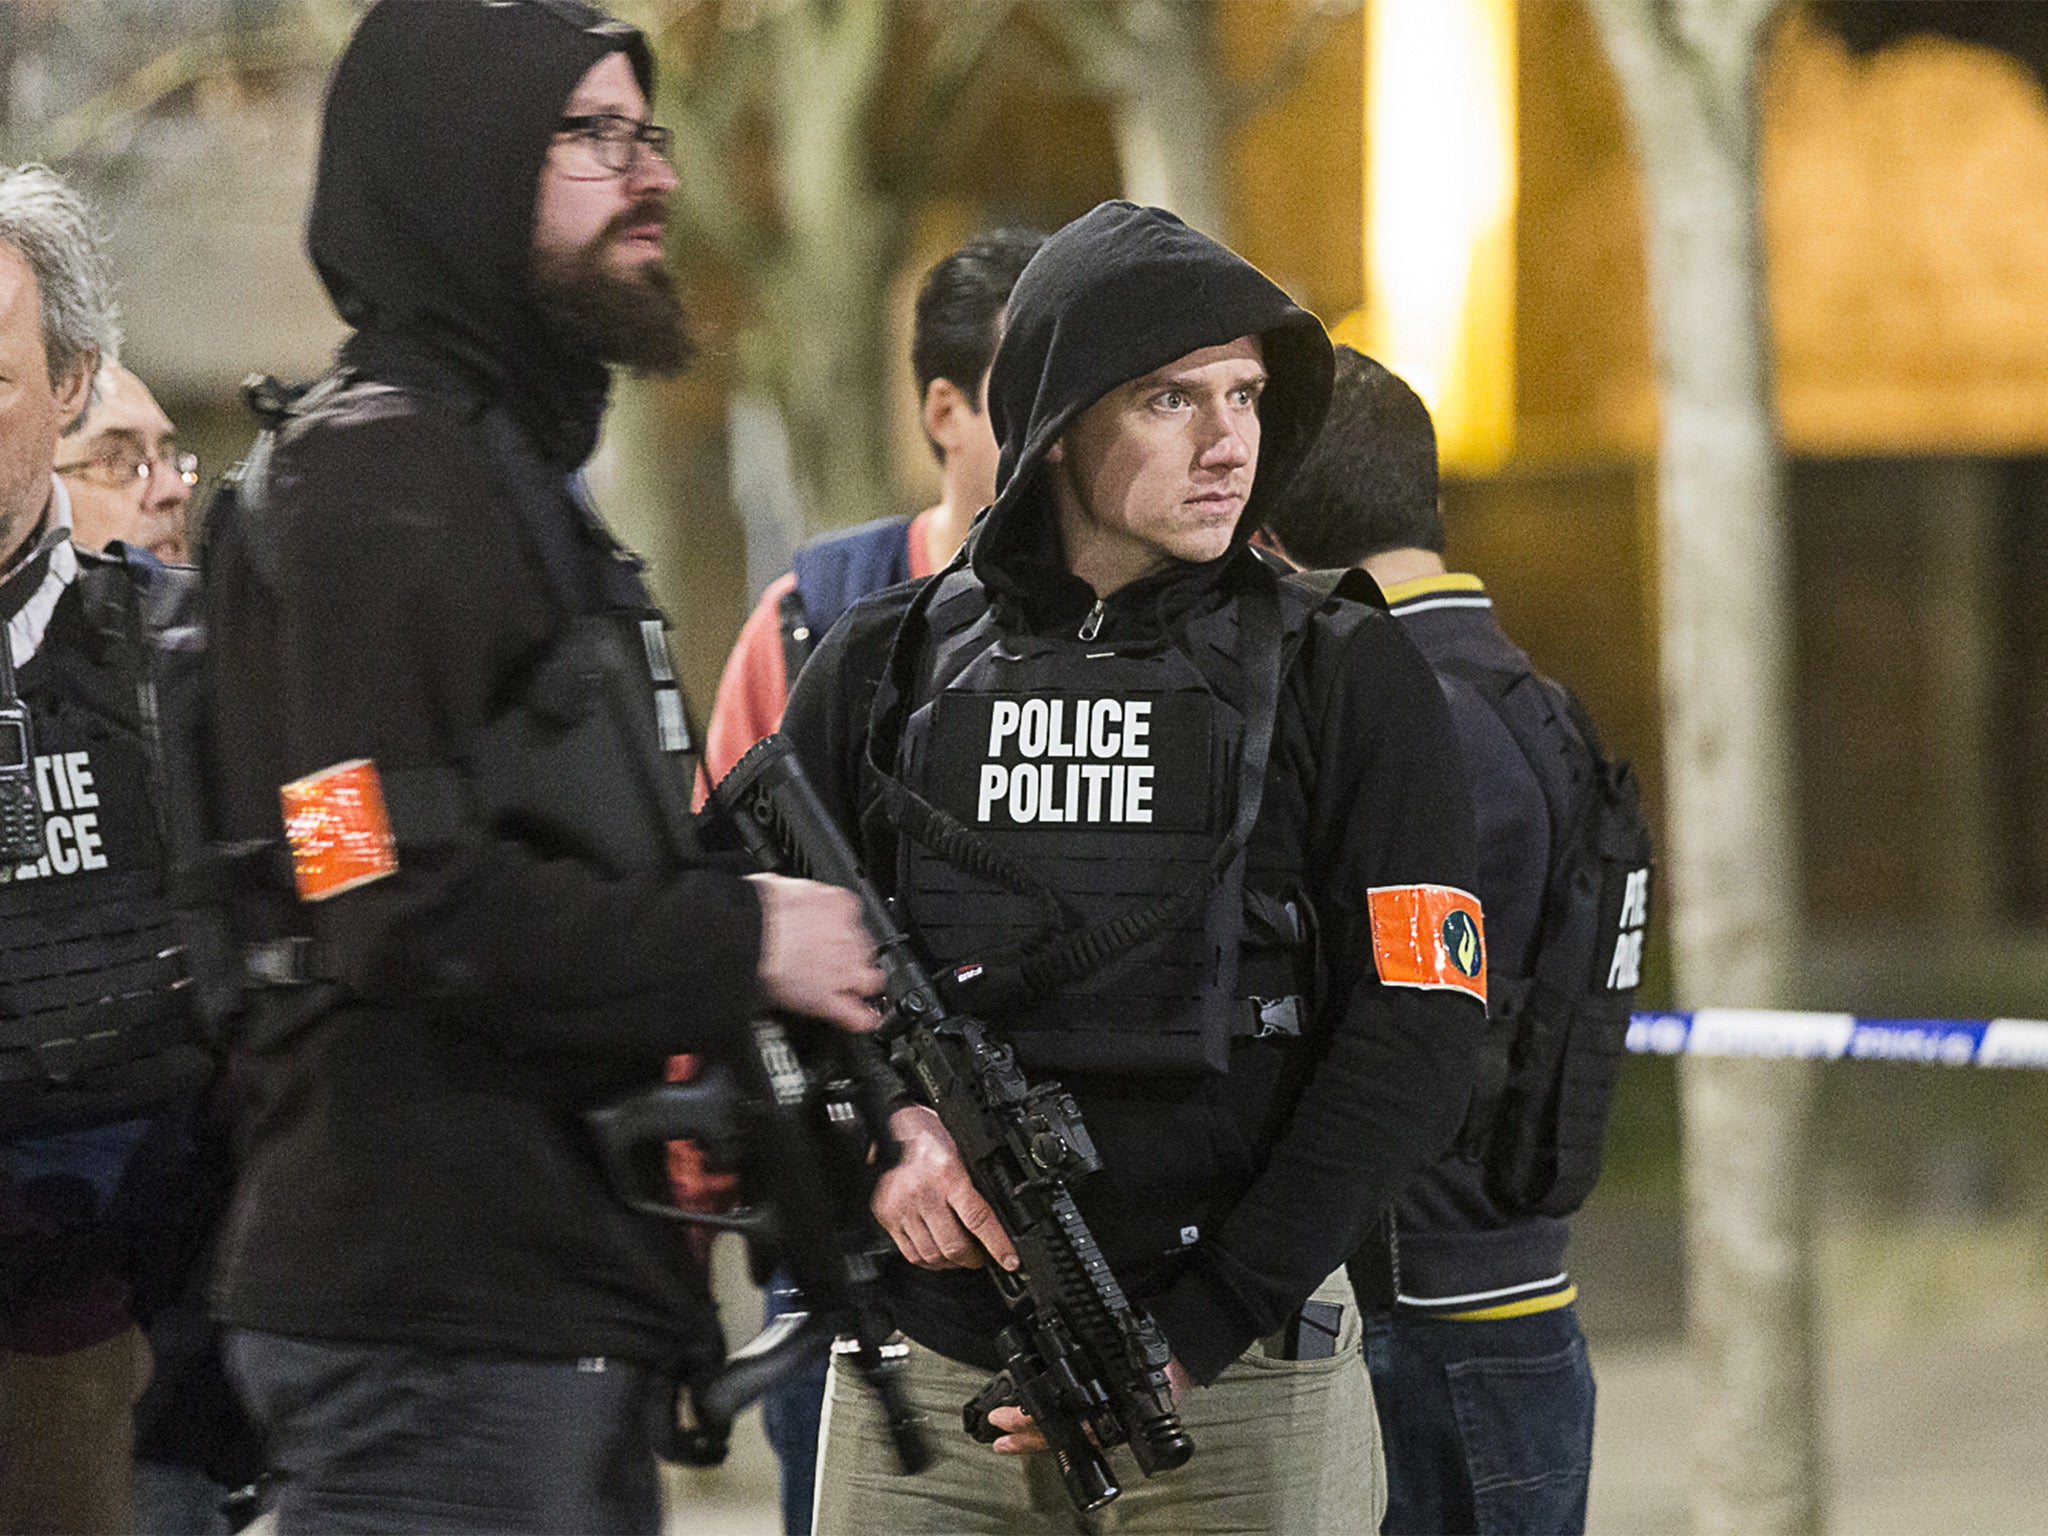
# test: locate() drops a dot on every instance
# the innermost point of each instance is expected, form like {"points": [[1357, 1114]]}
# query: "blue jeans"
{"points": [[174, 1500], [390, 1438], [789, 1415], [1488, 1426]]}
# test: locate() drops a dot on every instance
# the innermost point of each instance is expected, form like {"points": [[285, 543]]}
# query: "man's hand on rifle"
{"points": [[1021, 1437], [929, 1205], [816, 957]]}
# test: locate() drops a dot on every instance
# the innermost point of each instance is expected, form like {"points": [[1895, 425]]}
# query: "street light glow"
{"points": [[1440, 179]]}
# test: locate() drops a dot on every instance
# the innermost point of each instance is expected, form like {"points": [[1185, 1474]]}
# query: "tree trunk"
{"points": [[1688, 72], [821, 351], [1172, 114]]}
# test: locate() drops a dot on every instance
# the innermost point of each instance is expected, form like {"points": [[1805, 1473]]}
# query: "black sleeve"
{"points": [[1387, 806], [405, 614]]}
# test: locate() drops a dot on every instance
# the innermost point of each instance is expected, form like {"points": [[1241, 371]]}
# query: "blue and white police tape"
{"points": [[1829, 1036]]}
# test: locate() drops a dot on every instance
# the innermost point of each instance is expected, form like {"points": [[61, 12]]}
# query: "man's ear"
{"points": [[1057, 453], [73, 392], [942, 401]]}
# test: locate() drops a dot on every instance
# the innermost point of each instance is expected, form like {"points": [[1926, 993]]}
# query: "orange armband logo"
{"points": [[339, 831], [1428, 936]]}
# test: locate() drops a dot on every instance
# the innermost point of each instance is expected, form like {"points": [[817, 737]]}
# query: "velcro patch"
{"points": [[1428, 936], [339, 831]]}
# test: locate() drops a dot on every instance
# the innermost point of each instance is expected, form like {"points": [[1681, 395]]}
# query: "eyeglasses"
{"points": [[121, 469], [612, 142]]}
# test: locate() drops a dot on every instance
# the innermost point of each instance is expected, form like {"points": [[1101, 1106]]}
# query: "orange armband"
{"points": [[339, 830], [1428, 936]]}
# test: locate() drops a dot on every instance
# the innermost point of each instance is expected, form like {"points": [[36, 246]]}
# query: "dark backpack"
{"points": [[1556, 1036]]}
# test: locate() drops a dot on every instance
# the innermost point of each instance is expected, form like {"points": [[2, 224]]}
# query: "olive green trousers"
{"points": [[1282, 1448]]}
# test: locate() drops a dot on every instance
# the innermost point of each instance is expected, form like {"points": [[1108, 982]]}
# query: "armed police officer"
{"points": [[99, 1061], [1479, 1369], [1195, 839], [451, 787]]}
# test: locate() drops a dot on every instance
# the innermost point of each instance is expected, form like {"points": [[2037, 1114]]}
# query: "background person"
{"points": [[99, 1066], [1479, 1368], [959, 321], [127, 476]]}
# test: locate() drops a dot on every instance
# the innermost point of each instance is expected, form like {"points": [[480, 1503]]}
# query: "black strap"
{"points": [[14, 597], [798, 638]]}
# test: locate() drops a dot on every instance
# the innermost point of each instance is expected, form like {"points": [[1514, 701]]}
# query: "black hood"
{"points": [[1119, 292], [438, 118]]}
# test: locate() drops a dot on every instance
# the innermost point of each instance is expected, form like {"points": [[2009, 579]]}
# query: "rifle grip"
{"points": [[1001, 1392]]}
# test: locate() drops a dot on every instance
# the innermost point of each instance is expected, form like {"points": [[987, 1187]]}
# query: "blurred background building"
{"points": [[1450, 183]]}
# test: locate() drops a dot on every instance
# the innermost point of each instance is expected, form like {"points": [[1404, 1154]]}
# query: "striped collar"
{"points": [[25, 629], [1452, 590]]}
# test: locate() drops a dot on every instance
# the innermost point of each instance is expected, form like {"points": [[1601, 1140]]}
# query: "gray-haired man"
{"points": [[94, 1043]]}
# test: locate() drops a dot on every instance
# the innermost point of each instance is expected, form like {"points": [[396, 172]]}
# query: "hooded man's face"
{"points": [[599, 269], [1160, 468]]}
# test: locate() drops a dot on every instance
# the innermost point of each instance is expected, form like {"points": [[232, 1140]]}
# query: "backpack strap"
{"points": [[834, 573]]}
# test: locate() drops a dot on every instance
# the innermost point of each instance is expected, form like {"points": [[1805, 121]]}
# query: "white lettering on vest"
{"points": [[1002, 723], [1047, 811], [77, 767], [1627, 967], [1024, 793], [1041, 731], [1095, 773], [1138, 798], [995, 781], [72, 841], [1031, 728], [86, 827], [1137, 726], [1054, 747], [1103, 740], [1635, 901], [62, 843]]}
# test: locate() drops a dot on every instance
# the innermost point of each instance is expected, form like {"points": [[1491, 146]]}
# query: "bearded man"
{"points": [[449, 746]]}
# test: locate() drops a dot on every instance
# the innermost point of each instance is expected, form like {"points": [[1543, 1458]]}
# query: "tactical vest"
{"points": [[94, 1023], [1074, 815], [595, 756]]}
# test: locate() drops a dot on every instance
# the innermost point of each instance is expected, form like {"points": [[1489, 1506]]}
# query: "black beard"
{"points": [[634, 322]]}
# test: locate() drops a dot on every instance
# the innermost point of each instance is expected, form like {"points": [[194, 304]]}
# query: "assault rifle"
{"points": [[794, 1108], [1087, 1366]]}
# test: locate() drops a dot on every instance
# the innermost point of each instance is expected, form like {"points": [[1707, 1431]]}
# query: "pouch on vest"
{"points": [[1556, 1037]]}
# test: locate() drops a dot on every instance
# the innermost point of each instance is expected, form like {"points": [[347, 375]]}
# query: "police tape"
{"points": [[1832, 1036]]}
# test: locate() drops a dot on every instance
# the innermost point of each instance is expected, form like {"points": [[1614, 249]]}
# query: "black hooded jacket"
{"points": [[415, 1166], [1277, 1166]]}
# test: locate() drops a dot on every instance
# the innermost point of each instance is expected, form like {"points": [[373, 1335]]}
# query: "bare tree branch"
{"points": [[964, 42], [131, 98], [1104, 52], [704, 111], [1305, 38]]}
